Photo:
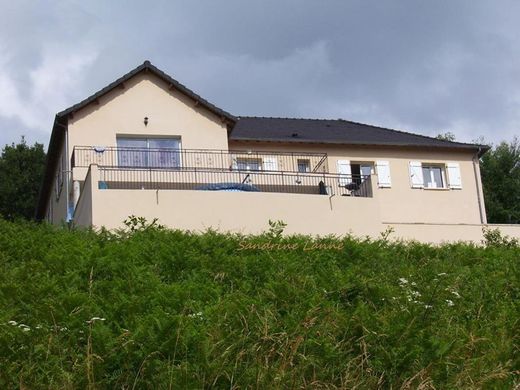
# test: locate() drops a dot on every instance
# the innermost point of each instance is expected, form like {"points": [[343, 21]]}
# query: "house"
{"points": [[146, 145]]}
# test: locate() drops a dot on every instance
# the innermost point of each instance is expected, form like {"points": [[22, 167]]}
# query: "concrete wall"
{"points": [[249, 213], [57, 205], [83, 212], [439, 233], [245, 212], [401, 203]]}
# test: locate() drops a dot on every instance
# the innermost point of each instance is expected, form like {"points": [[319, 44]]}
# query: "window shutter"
{"points": [[383, 174], [416, 175], [345, 172], [454, 178], [270, 164]]}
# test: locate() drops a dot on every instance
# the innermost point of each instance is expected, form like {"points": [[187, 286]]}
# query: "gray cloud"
{"points": [[425, 67]]}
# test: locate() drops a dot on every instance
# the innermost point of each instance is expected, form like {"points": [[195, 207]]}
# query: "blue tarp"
{"points": [[228, 187]]}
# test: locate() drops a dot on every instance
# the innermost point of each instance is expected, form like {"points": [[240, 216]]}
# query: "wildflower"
{"points": [[94, 319], [14, 323], [403, 281], [449, 302], [428, 306], [415, 293]]}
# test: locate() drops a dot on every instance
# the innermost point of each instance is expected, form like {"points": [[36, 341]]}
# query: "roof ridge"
{"points": [[159, 73], [362, 124]]}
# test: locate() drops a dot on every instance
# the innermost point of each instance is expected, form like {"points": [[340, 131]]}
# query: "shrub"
{"points": [[157, 308]]}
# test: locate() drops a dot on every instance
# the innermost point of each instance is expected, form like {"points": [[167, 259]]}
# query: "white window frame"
{"points": [[249, 160], [304, 162], [147, 139], [431, 167]]}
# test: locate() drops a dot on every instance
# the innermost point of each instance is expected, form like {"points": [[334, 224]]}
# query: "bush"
{"points": [[156, 308]]}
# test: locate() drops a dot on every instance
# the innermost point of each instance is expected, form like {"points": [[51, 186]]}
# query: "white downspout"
{"points": [[483, 218], [68, 175]]}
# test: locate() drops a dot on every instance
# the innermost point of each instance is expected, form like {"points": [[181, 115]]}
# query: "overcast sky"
{"points": [[421, 66]]}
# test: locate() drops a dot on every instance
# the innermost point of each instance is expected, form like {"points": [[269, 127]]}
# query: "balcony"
{"points": [[217, 170], [83, 156]]}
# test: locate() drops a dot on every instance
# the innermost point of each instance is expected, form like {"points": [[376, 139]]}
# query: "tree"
{"points": [[500, 169], [21, 174], [448, 136]]}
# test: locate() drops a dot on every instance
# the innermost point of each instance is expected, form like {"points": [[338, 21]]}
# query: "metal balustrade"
{"points": [[123, 157], [120, 178]]}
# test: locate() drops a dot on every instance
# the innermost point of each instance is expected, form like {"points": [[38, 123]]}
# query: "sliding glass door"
{"points": [[148, 152]]}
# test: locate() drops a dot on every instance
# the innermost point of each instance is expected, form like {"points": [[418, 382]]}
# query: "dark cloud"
{"points": [[421, 66]]}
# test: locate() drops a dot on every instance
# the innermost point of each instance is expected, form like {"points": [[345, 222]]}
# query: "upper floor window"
{"points": [[304, 165], [149, 152], [249, 164], [433, 176]]}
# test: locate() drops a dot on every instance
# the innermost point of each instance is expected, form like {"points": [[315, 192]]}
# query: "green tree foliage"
{"points": [[21, 172], [448, 136], [500, 169]]}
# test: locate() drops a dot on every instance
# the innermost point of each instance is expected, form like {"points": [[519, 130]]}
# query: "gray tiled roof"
{"points": [[332, 131]]}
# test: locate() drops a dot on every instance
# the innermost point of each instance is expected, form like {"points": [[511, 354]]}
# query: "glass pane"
{"points": [[131, 152], [427, 177], [164, 153], [248, 164], [437, 176], [366, 170], [304, 166]]}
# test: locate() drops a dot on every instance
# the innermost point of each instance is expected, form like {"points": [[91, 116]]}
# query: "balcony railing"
{"points": [[117, 178], [83, 156]]}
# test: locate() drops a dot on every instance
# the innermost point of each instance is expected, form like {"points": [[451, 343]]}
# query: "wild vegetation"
{"points": [[154, 308]]}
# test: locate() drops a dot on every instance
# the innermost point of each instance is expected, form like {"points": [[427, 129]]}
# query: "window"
{"points": [[304, 166], [249, 164], [433, 176], [361, 171], [149, 152], [428, 175]]}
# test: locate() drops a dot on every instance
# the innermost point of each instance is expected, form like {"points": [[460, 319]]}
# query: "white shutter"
{"points": [[345, 172], [270, 164], [383, 174], [416, 175], [454, 178]]}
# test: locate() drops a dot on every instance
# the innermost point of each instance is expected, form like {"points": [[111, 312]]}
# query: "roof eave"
{"points": [[481, 149], [55, 143]]}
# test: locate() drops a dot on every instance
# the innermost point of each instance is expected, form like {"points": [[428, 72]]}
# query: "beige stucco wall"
{"points": [[402, 203], [245, 212], [439, 233], [250, 212], [83, 211], [57, 203], [122, 112]]}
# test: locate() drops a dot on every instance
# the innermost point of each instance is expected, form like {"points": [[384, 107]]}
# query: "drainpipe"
{"points": [[68, 175], [477, 179]]}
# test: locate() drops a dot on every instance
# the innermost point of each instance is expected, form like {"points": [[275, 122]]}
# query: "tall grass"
{"points": [[164, 309]]}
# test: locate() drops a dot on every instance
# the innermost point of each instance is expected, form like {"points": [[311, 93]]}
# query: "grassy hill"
{"points": [[163, 309]]}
